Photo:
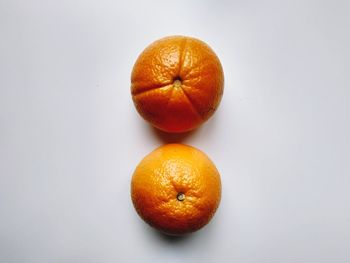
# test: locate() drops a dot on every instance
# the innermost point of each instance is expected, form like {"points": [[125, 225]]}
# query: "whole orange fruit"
{"points": [[176, 189], [177, 83]]}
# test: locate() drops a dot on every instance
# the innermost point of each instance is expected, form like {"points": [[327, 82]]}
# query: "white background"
{"points": [[70, 137]]}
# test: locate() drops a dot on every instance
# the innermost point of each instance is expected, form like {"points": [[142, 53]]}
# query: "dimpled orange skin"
{"points": [[171, 172], [177, 83]]}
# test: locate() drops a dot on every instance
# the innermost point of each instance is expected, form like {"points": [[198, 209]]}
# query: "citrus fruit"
{"points": [[177, 83], [176, 189]]}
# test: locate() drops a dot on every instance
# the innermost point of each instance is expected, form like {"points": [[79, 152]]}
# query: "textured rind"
{"points": [[167, 171], [159, 65]]}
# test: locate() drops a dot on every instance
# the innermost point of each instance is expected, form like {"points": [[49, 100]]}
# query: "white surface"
{"points": [[70, 137]]}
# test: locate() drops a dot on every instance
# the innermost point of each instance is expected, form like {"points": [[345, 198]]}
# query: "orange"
{"points": [[176, 189], [177, 83]]}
